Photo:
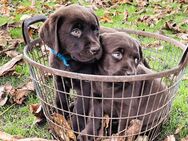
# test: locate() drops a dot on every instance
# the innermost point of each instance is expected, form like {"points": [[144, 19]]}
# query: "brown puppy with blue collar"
{"points": [[72, 33]]}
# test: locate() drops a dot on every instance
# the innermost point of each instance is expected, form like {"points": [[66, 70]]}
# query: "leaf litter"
{"points": [[15, 95]]}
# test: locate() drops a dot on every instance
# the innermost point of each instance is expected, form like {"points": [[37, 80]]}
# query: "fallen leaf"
{"points": [[3, 96], [29, 86], [130, 132], [169, 25], [3, 38], [102, 3], [12, 47], [183, 36], [156, 44], [18, 95], [60, 120], [7, 67], [178, 129], [170, 138], [142, 138], [106, 18], [12, 53], [5, 10], [24, 16], [126, 15], [23, 9], [106, 121], [37, 111], [7, 137], [134, 128], [185, 139], [185, 77], [142, 3]]}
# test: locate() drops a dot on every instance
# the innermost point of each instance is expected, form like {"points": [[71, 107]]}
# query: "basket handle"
{"points": [[184, 60], [27, 22]]}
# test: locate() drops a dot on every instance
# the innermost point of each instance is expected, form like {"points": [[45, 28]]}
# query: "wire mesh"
{"points": [[120, 108]]}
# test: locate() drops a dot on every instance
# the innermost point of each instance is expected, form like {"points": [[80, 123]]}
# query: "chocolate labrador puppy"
{"points": [[122, 55], [72, 33]]}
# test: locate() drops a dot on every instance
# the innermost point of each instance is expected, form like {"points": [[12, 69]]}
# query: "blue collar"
{"points": [[63, 58]]}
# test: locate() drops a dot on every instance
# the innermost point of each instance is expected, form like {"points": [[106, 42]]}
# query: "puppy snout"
{"points": [[94, 49]]}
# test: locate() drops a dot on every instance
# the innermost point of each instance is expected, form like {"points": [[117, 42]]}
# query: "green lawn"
{"points": [[17, 120]]}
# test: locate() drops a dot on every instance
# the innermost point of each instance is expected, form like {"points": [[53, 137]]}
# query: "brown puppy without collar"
{"points": [[72, 31], [122, 55]]}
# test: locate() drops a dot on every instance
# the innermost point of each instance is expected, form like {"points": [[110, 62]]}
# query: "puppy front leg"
{"points": [[93, 125], [81, 107], [62, 99]]}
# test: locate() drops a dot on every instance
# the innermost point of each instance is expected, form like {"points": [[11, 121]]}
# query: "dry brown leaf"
{"points": [[170, 138], [185, 77], [12, 53], [126, 15], [142, 138], [60, 120], [156, 44], [185, 139], [5, 9], [131, 131], [106, 18], [18, 95], [183, 36], [149, 20], [23, 9], [169, 25], [178, 129], [7, 67], [3, 38], [37, 111], [142, 3], [134, 128], [183, 1], [24, 16], [3, 96], [105, 122], [14, 44], [7, 137], [102, 3]]}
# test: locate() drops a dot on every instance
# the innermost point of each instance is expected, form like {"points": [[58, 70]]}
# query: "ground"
{"points": [[166, 17]]}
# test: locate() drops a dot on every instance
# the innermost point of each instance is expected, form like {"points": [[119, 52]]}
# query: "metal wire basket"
{"points": [[168, 62]]}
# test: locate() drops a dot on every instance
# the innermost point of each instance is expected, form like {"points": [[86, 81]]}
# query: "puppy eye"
{"points": [[76, 32], [117, 55], [95, 29], [136, 60]]}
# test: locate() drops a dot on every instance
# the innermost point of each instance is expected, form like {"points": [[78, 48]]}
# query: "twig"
{"points": [[11, 48], [7, 109]]}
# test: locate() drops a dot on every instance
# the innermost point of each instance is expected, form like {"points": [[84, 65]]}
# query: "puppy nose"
{"points": [[94, 50]]}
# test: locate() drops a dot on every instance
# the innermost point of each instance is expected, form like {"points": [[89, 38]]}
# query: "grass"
{"points": [[19, 121]]}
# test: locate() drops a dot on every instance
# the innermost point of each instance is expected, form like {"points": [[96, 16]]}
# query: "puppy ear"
{"points": [[143, 60], [48, 32], [92, 12]]}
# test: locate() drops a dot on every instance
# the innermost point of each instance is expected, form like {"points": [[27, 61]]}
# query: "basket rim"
{"points": [[107, 78]]}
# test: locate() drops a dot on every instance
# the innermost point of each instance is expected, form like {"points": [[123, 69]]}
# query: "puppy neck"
{"points": [[61, 57]]}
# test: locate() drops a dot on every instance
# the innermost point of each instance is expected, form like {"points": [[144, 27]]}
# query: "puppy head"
{"points": [[121, 54], [73, 30]]}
